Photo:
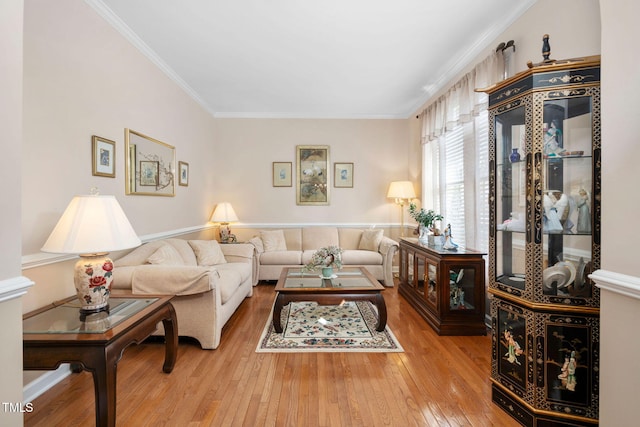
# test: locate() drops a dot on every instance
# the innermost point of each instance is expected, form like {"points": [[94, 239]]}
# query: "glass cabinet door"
{"points": [[511, 202], [462, 288], [431, 290], [567, 196]]}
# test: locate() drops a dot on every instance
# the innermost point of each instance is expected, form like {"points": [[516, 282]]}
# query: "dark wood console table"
{"points": [[57, 334], [447, 288]]}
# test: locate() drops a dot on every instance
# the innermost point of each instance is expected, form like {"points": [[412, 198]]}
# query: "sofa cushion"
{"points": [[165, 255], [314, 238], [207, 252], [370, 240], [281, 258], [360, 257], [228, 281], [349, 238], [273, 240]]}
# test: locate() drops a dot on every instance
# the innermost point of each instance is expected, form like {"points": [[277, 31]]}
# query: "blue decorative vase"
{"points": [[327, 272], [515, 156]]}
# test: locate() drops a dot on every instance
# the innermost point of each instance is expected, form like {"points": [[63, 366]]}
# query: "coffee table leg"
{"points": [[382, 312], [277, 311]]}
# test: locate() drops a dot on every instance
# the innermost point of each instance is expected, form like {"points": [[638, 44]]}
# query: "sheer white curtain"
{"points": [[455, 155]]}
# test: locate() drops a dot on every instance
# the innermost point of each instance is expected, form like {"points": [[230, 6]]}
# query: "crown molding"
{"points": [[457, 65], [114, 20]]}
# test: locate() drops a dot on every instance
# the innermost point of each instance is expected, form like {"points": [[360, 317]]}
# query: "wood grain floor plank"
{"points": [[437, 381]]}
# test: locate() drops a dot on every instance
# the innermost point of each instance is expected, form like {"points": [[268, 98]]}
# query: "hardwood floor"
{"points": [[437, 381]]}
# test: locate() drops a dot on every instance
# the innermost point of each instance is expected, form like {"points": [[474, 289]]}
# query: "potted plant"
{"points": [[327, 259], [426, 221]]}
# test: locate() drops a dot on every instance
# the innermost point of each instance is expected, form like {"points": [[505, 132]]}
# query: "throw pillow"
{"points": [[208, 252], [370, 240], [273, 240], [165, 255]]}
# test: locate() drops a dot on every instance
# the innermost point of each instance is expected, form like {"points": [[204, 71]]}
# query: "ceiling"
{"points": [[311, 59]]}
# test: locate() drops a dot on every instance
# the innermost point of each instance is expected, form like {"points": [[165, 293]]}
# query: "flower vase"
{"points": [[515, 156], [327, 272], [424, 234]]}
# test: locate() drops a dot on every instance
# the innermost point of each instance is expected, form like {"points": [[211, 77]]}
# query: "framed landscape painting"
{"points": [[312, 181]]}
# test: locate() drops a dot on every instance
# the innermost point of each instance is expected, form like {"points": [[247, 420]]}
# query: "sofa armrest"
{"points": [[388, 248], [242, 252], [238, 252], [171, 279], [257, 242], [387, 244]]}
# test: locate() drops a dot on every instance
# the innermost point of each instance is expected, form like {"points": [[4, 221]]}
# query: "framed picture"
{"points": [[183, 173], [103, 155], [312, 182], [343, 175], [282, 174], [149, 171], [150, 165]]}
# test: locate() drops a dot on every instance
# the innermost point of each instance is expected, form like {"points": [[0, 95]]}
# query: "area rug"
{"points": [[309, 327]]}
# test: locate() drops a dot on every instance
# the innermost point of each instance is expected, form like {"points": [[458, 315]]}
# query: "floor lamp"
{"points": [[402, 192]]}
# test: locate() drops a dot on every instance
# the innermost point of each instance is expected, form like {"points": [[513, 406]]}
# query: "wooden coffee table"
{"points": [[350, 284], [58, 334]]}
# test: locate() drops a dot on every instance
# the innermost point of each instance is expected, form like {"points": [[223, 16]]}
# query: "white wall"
{"points": [[82, 78], [620, 303], [243, 161], [10, 140]]}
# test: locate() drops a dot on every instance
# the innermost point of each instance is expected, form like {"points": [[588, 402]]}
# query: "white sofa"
{"points": [[209, 281], [294, 247]]}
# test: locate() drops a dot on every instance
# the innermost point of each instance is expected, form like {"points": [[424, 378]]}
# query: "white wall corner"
{"points": [[617, 282], [14, 287]]}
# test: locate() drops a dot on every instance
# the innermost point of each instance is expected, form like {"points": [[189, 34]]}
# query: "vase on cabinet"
{"points": [[515, 156]]}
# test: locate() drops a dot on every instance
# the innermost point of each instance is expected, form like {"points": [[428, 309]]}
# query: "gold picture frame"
{"points": [[281, 173], [343, 175], [183, 174], [313, 177], [103, 155], [149, 165]]}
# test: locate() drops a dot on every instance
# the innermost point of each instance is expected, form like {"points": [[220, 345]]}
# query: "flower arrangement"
{"points": [[426, 218], [331, 256]]}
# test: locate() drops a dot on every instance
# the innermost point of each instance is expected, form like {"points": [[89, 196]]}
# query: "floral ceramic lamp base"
{"points": [[92, 278]]}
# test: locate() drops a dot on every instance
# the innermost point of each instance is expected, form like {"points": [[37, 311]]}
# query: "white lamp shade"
{"points": [[224, 213], [92, 224], [401, 190]]}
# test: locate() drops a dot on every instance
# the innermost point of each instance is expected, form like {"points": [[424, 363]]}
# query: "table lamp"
{"points": [[91, 227], [224, 214], [402, 192]]}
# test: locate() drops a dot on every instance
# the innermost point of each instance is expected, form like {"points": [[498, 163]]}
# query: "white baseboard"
{"points": [[44, 382]]}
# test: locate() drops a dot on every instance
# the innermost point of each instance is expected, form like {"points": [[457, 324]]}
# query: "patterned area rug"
{"points": [[310, 327]]}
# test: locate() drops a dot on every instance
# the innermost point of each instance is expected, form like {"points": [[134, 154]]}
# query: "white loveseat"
{"points": [[294, 247], [209, 281]]}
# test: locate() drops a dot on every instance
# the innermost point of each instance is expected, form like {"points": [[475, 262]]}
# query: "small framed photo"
{"points": [[343, 175], [183, 177], [103, 154], [282, 174]]}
